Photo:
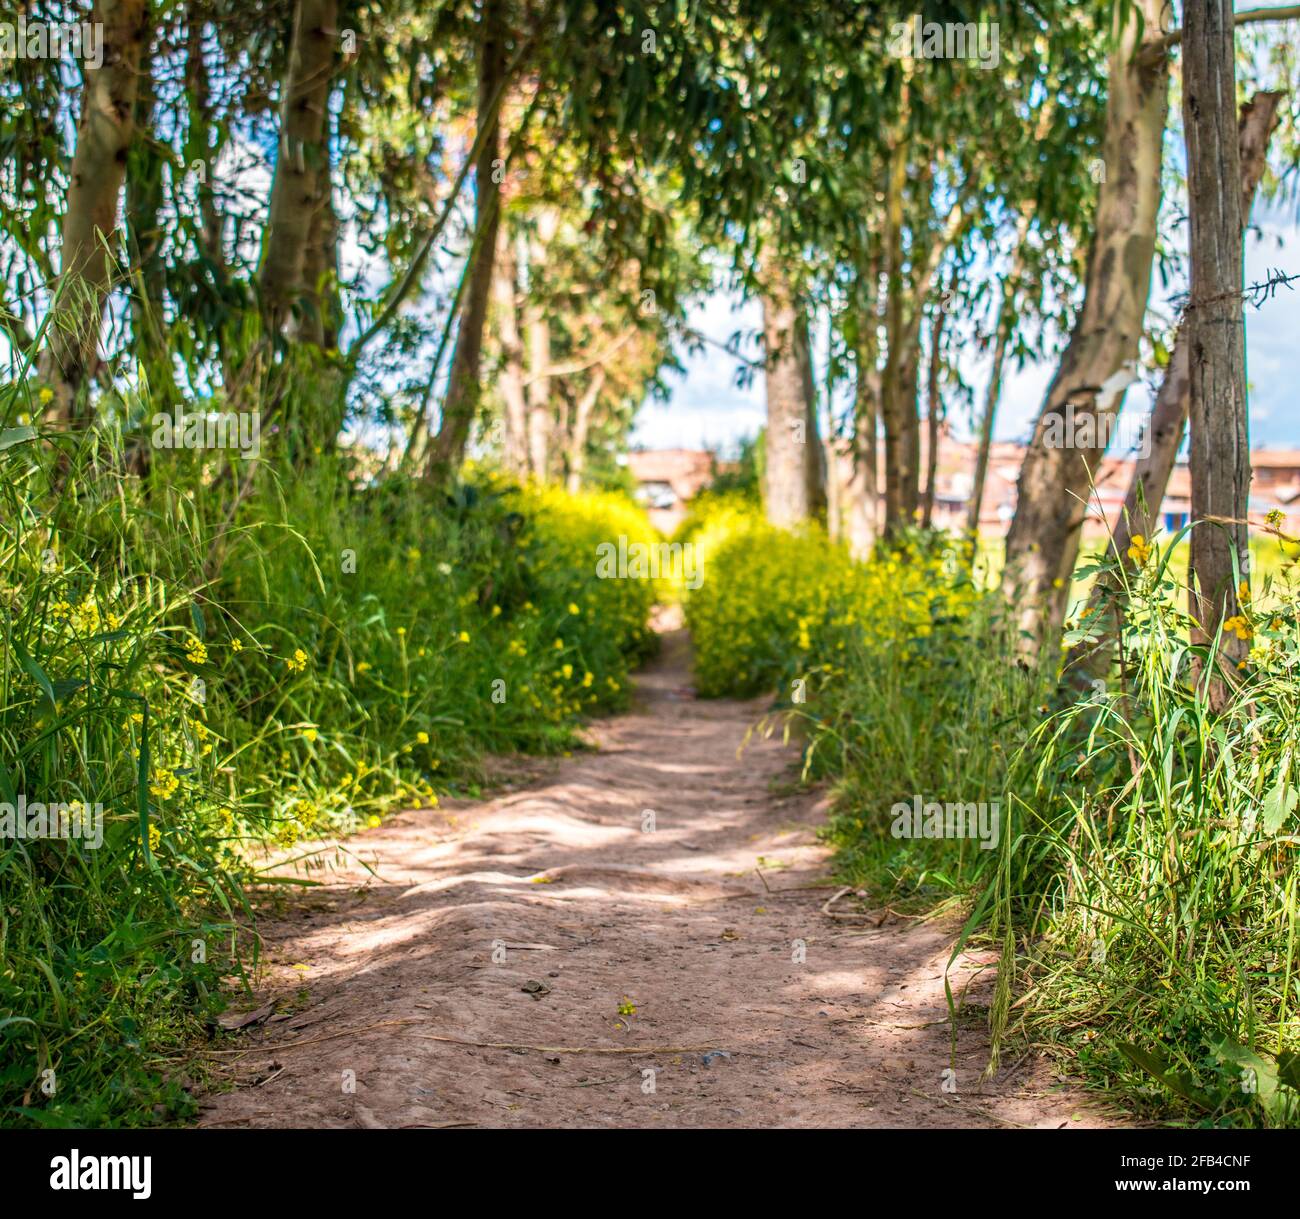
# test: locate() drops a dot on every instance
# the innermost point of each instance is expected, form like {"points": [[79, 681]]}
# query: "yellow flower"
{"points": [[83, 618], [309, 735], [401, 630], [559, 645], [1139, 550], [1238, 626], [155, 837], [195, 652], [372, 821], [573, 608], [45, 396], [587, 679], [422, 738], [297, 663], [364, 667], [164, 784], [567, 670], [463, 637], [236, 645]]}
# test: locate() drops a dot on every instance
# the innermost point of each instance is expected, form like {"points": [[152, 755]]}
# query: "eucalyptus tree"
{"points": [[1219, 571], [1100, 360], [1167, 428], [89, 227]]}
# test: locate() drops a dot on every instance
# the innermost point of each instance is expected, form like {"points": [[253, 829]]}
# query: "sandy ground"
{"points": [[399, 985]]}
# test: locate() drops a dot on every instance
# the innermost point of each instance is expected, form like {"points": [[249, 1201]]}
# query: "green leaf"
{"points": [[1266, 1076], [35, 672], [1180, 1082], [1288, 1068], [142, 784], [1277, 805], [16, 435]]}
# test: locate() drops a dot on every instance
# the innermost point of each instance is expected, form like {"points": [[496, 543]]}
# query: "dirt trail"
{"points": [[400, 968]]}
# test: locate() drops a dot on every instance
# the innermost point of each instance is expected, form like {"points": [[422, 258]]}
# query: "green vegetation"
{"points": [[343, 662], [1143, 891]]}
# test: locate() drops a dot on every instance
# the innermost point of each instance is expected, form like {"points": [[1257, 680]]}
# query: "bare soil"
{"points": [[399, 985]]}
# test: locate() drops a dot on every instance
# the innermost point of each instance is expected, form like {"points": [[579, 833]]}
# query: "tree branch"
{"points": [[1250, 16]]}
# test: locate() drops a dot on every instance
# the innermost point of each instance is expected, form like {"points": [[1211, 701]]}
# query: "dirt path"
{"points": [[389, 976]]}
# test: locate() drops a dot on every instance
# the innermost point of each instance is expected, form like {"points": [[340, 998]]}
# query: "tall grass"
{"points": [[1144, 890], [220, 661]]}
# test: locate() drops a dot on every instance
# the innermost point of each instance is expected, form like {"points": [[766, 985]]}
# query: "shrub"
{"points": [[222, 668]]}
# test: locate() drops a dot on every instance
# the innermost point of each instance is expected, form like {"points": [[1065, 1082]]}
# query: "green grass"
{"points": [[1143, 894], [218, 671]]}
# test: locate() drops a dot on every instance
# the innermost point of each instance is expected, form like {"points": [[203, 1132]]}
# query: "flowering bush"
{"points": [[355, 649]]}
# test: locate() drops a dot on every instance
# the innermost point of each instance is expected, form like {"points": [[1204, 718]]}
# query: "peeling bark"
{"points": [[303, 151], [104, 135], [793, 460], [1169, 415], [1043, 541], [1216, 337], [505, 291], [463, 389]]}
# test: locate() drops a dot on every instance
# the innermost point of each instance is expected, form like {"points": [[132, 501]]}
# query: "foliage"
{"points": [[1144, 887], [342, 660]]}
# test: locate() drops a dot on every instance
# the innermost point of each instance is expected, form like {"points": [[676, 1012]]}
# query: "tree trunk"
{"points": [[577, 462], [934, 407], [538, 331], [303, 152], [463, 389], [199, 140], [863, 493], [791, 458], [1169, 415], [104, 136], [1216, 341], [144, 202], [1043, 541], [993, 395], [834, 447], [815, 470], [892, 395], [514, 441], [324, 311]]}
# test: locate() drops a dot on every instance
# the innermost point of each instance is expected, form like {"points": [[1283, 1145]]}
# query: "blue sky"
{"points": [[708, 410]]}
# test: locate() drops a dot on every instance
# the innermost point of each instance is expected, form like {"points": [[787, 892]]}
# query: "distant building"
{"points": [[668, 479], [1275, 486]]}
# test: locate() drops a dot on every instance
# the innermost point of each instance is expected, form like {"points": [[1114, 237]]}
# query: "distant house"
{"points": [[668, 479], [1275, 486]]}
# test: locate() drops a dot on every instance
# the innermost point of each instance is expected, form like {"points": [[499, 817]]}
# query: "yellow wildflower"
{"points": [[164, 784], [1139, 550]]}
